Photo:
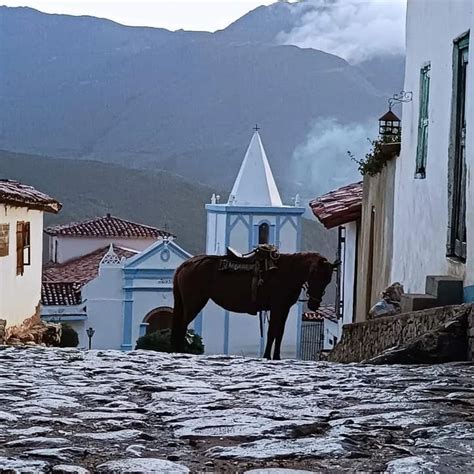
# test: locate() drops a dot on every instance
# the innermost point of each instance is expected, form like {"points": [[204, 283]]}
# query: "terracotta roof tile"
{"points": [[61, 293], [340, 206], [23, 195], [82, 269], [107, 226], [324, 312]]}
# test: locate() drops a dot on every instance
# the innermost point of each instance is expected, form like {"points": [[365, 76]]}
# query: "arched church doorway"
{"points": [[159, 318]]}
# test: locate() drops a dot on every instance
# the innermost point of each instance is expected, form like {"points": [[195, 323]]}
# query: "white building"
{"points": [[433, 228], [111, 275], [341, 209], [21, 248], [120, 293], [254, 214]]}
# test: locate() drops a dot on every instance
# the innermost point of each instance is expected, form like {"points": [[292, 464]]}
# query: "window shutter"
{"points": [[423, 122], [19, 249], [26, 244]]}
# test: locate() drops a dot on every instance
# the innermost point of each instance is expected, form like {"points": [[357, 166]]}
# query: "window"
{"points": [[23, 246], [263, 233], [422, 148], [457, 159], [4, 239]]}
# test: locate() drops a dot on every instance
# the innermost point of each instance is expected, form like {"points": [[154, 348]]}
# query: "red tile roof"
{"points": [[61, 293], [62, 282], [108, 226], [17, 194], [324, 312], [340, 206], [81, 269]]}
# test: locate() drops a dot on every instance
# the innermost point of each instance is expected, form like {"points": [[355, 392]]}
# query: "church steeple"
{"points": [[255, 185]]}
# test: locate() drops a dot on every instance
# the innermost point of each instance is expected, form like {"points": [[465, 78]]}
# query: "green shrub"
{"points": [[69, 337], [161, 341]]}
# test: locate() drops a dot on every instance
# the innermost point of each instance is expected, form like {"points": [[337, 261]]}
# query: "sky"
{"points": [[209, 15]]}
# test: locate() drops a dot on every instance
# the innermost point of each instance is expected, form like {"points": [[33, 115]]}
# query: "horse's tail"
{"points": [[178, 316]]}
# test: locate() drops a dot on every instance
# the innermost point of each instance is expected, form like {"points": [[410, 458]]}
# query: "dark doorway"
{"points": [[263, 233], [457, 243], [159, 318]]}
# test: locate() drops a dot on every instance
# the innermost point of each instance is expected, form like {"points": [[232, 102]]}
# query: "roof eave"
{"points": [[53, 207]]}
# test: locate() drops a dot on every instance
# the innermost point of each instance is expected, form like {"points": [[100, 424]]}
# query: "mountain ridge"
{"points": [[83, 87]]}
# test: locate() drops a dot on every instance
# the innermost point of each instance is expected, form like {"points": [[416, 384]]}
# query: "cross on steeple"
{"points": [[256, 128]]}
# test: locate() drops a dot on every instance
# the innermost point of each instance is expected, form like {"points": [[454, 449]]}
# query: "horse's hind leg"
{"points": [[186, 312], [178, 328], [279, 334], [270, 336]]}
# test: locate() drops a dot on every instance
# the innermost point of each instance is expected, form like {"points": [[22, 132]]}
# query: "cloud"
{"points": [[321, 163], [356, 30]]}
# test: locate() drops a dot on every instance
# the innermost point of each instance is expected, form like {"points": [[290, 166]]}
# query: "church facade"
{"points": [[254, 214]]}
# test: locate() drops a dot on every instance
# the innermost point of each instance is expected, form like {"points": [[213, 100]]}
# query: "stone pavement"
{"points": [[65, 410]]}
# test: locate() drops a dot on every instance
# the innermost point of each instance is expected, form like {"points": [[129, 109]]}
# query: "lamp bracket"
{"points": [[401, 97]]}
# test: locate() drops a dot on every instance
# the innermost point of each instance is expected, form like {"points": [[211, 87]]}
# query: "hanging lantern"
{"points": [[390, 125]]}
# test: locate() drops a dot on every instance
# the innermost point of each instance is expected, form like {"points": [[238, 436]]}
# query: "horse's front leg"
{"points": [[279, 330], [270, 337]]}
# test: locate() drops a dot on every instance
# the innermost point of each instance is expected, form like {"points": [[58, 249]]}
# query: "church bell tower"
{"points": [[253, 215]]}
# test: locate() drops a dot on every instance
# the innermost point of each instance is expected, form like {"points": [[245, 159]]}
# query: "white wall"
{"points": [[104, 300], [215, 237], [421, 205], [20, 294], [71, 247], [348, 265], [331, 331]]}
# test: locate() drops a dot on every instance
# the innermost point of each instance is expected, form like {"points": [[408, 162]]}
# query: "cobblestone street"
{"points": [[73, 411]]}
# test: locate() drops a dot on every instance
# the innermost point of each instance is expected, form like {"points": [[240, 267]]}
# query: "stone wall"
{"points": [[365, 340], [3, 324]]}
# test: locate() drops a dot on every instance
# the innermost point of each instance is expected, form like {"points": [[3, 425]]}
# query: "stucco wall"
{"points": [[421, 205], [361, 341], [71, 247], [376, 238], [104, 300], [20, 294], [348, 265]]}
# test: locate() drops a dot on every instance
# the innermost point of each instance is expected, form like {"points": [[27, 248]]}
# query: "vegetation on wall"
{"points": [[377, 158]]}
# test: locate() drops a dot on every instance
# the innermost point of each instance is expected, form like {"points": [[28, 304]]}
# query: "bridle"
{"points": [[310, 297]]}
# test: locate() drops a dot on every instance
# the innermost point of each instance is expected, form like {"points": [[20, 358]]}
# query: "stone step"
{"points": [[417, 302], [447, 289]]}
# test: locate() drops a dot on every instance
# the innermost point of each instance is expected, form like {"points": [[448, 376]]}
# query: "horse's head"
{"points": [[320, 275]]}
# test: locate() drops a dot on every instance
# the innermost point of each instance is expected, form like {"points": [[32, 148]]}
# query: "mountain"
{"points": [[158, 198], [88, 88]]}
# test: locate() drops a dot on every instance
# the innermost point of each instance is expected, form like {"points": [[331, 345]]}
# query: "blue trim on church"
{"points": [[127, 316], [255, 210]]}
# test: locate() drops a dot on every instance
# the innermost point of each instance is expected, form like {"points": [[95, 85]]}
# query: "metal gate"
{"points": [[312, 339]]}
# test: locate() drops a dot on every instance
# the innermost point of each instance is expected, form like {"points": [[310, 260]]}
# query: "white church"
{"points": [[115, 276]]}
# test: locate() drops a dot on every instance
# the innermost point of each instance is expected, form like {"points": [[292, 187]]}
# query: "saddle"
{"points": [[259, 262]]}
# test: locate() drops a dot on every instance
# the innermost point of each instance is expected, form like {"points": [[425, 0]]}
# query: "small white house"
{"points": [[21, 248], [433, 225], [254, 214], [341, 209], [120, 293], [80, 238]]}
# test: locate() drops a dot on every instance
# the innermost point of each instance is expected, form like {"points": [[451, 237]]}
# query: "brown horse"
{"points": [[199, 279]]}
